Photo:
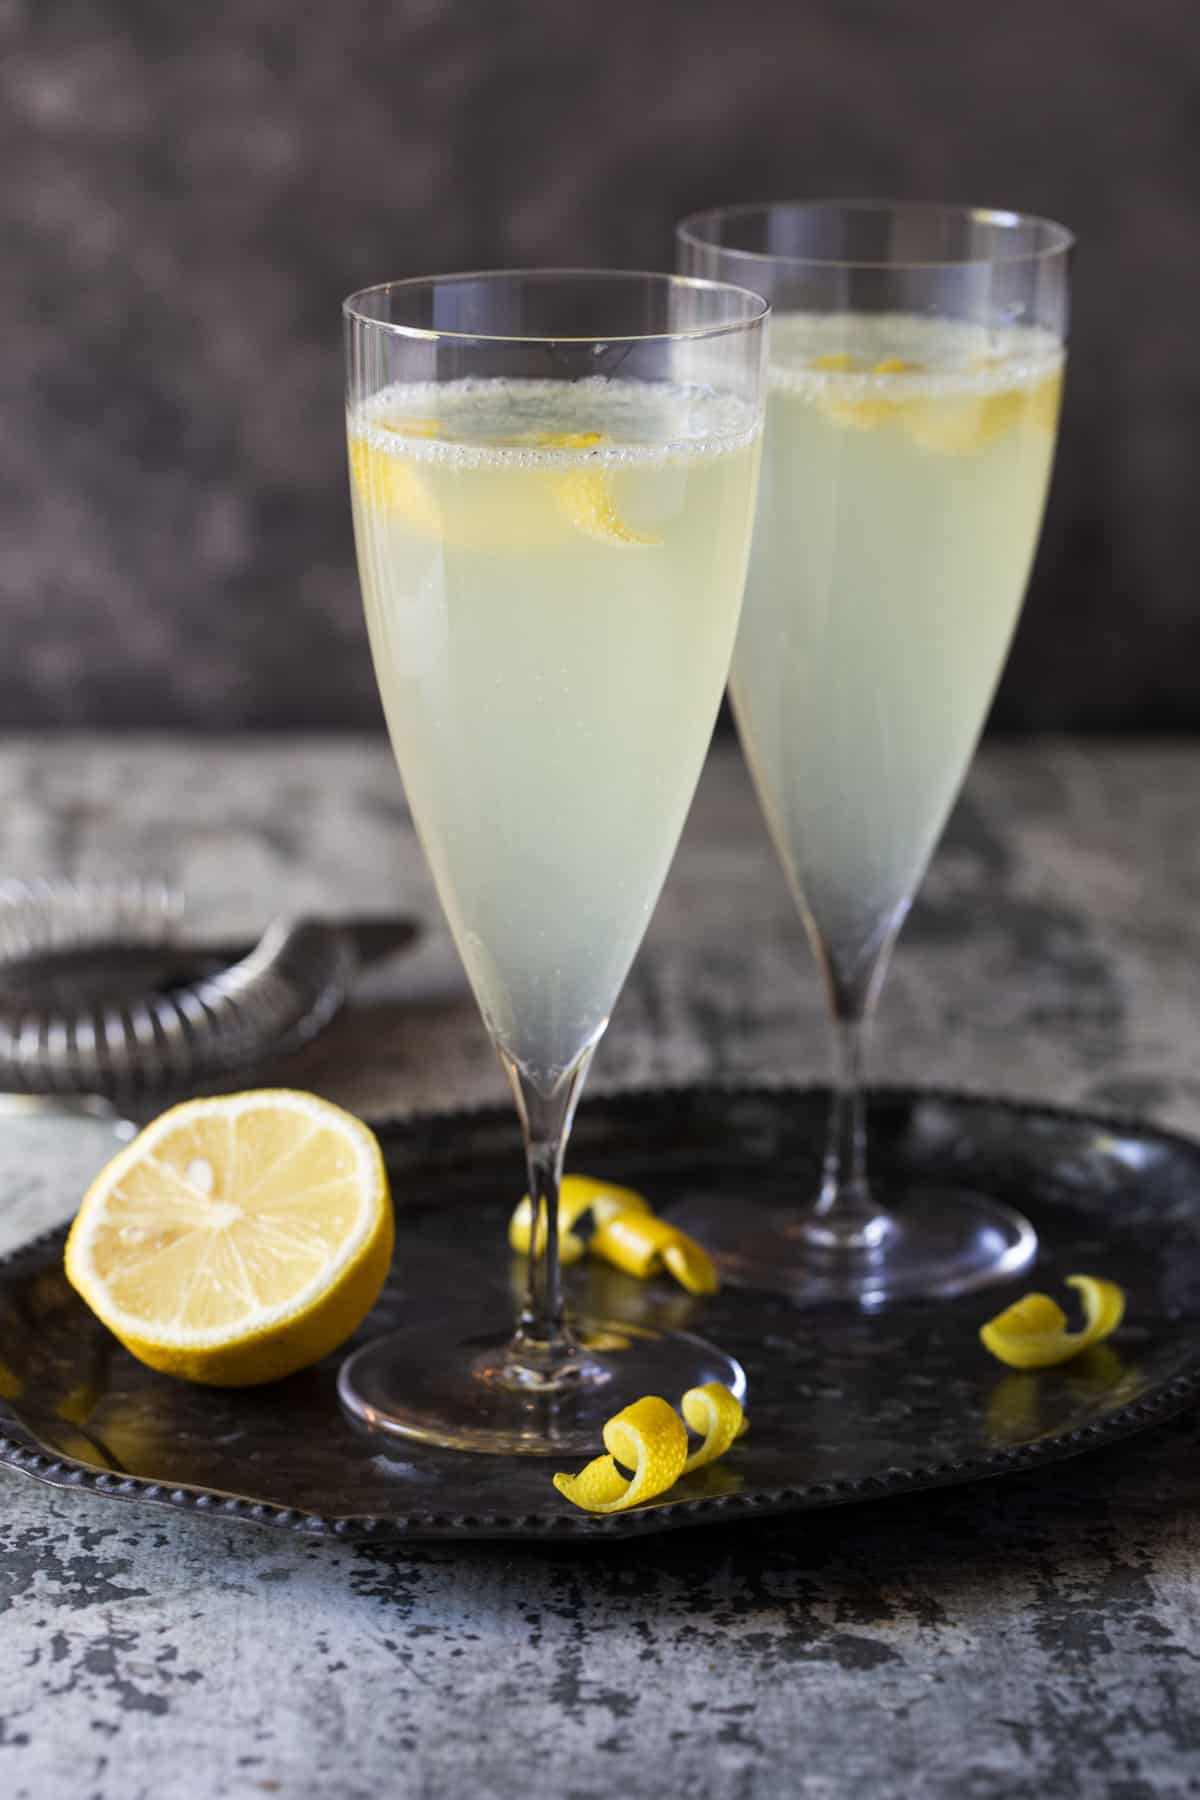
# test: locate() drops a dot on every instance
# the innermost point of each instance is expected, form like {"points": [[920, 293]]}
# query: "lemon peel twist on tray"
{"points": [[1032, 1332], [626, 1233], [651, 1439]]}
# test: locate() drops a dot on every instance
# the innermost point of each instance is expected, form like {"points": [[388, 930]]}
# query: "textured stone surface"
{"points": [[191, 190], [1037, 1635]]}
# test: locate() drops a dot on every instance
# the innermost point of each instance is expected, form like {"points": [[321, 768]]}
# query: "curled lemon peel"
{"points": [[714, 1415], [1032, 1333], [577, 1195], [565, 440], [584, 494], [640, 1245], [626, 1234], [650, 1438], [394, 487], [412, 428], [953, 424]]}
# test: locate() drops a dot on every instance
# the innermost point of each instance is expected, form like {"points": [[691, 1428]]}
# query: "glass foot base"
{"points": [[447, 1383], [940, 1241]]}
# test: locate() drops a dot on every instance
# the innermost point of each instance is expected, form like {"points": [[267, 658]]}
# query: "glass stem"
{"points": [[844, 1211], [844, 1216], [543, 1352]]}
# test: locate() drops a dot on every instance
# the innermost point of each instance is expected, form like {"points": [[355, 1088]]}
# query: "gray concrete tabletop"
{"points": [[1033, 1635]]}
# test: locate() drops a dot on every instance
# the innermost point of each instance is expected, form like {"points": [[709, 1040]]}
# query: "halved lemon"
{"points": [[236, 1239]]}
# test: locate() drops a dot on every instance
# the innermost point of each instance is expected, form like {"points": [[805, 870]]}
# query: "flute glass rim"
{"points": [[1060, 239], [756, 309]]}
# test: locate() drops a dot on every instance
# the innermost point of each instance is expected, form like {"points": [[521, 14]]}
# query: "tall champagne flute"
{"points": [[914, 379], [553, 477]]}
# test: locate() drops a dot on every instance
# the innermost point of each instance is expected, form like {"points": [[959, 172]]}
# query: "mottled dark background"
{"points": [[190, 189]]}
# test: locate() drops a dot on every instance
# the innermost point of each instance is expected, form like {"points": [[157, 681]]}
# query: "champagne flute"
{"points": [[914, 379], [553, 477]]}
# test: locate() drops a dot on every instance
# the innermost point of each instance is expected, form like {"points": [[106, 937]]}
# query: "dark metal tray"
{"points": [[844, 1404]]}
